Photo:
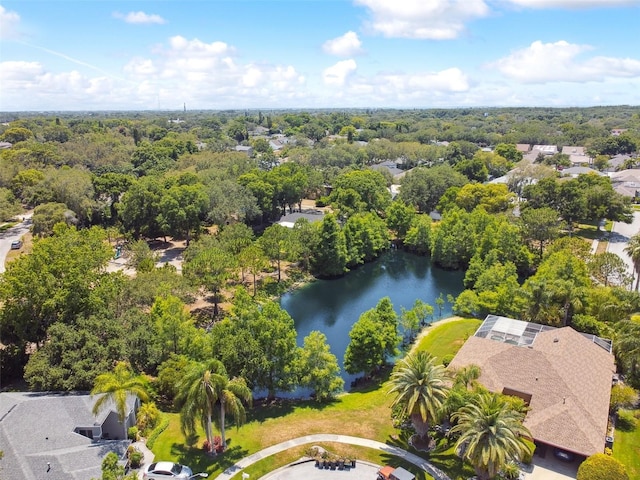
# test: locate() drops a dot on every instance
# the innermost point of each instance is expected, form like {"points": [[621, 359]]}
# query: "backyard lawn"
{"points": [[447, 338], [363, 412], [626, 448]]}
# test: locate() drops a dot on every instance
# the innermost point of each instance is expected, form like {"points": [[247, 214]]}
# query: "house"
{"points": [[245, 149], [391, 166], [564, 377], [56, 436], [523, 147], [626, 182], [312, 215], [545, 149], [577, 155], [575, 171]]}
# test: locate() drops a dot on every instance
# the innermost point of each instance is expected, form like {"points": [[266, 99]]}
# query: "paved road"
{"points": [[280, 447], [620, 235], [14, 233]]}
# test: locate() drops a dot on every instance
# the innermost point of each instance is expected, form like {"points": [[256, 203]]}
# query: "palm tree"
{"points": [[117, 386], [467, 376], [232, 396], [203, 386], [491, 434], [633, 250], [421, 389], [627, 349]]}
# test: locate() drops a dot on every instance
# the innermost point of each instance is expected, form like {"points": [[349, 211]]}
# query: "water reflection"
{"points": [[333, 306]]}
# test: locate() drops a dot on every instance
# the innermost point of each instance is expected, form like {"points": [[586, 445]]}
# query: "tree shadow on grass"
{"points": [[200, 461], [264, 409], [373, 382]]}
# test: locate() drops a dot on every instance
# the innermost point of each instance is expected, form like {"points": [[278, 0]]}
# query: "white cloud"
{"points": [[573, 3], [8, 24], [557, 62], [140, 18], [425, 19], [337, 74], [345, 46]]}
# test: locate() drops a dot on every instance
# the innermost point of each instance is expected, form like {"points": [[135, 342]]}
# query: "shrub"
{"points": [[446, 360], [135, 459], [132, 433], [511, 471], [601, 467], [162, 426], [148, 416], [207, 447], [528, 457], [626, 421]]}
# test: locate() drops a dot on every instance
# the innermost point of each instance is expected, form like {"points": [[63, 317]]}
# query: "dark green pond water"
{"points": [[333, 306]]}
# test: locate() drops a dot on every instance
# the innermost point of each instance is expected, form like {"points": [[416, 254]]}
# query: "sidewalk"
{"points": [[148, 455]]}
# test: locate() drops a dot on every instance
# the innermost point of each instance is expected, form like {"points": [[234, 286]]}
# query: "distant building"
{"points": [[312, 215], [545, 149], [626, 182], [245, 149], [577, 155], [523, 147]]}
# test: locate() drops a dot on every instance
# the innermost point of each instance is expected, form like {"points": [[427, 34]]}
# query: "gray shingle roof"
{"points": [[37, 433]]}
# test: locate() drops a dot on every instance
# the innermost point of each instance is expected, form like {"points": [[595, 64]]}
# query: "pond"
{"points": [[333, 306]]}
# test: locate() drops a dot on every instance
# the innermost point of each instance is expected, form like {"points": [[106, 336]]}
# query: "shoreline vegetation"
{"points": [[365, 409]]}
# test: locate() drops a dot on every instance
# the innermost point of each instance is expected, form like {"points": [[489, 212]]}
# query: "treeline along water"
{"points": [[333, 306]]}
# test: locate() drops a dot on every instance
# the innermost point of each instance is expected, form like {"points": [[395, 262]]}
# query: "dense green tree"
{"points": [[366, 236], [254, 260], [9, 206], [141, 257], [491, 435], [423, 187], [627, 350], [330, 253], [453, 240], [540, 227], [211, 268], [420, 386], [51, 284], [319, 369], [493, 197], [370, 185], [399, 217], [374, 337], [139, 208], [181, 209], [418, 237], [275, 242], [508, 151], [47, 215], [609, 269], [173, 324]]}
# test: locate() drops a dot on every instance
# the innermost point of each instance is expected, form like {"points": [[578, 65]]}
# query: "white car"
{"points": [[167, 470]]}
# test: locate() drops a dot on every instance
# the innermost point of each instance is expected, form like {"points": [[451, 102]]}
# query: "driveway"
{"points": [[550, 468], [14, 233], [620, 235]]}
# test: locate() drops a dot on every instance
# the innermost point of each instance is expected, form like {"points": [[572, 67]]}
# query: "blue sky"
{"points": [[217, 54]]}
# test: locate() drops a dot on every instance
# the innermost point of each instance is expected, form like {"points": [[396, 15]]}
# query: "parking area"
{"points": [[309, 471]]}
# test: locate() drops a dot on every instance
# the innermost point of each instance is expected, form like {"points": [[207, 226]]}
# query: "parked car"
{"points": [[16, 245], [167, 470], [564, 455]]}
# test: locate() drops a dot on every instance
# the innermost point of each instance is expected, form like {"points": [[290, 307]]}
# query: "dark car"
{"points": [[564, 455]]}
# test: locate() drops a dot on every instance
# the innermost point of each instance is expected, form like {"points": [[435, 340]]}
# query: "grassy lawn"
{"points": [[363, 412], [626, 448], [447, 338]]}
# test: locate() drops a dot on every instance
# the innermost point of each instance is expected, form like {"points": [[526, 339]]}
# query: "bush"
{"points": [[162, 426], [528, 457], [446, 360], [132, 433], [601, 467], [135, 459], [148, 416], [626, 421]]}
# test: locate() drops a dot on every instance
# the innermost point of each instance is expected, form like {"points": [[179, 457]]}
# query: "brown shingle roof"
{"points": [[568, 377]]}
